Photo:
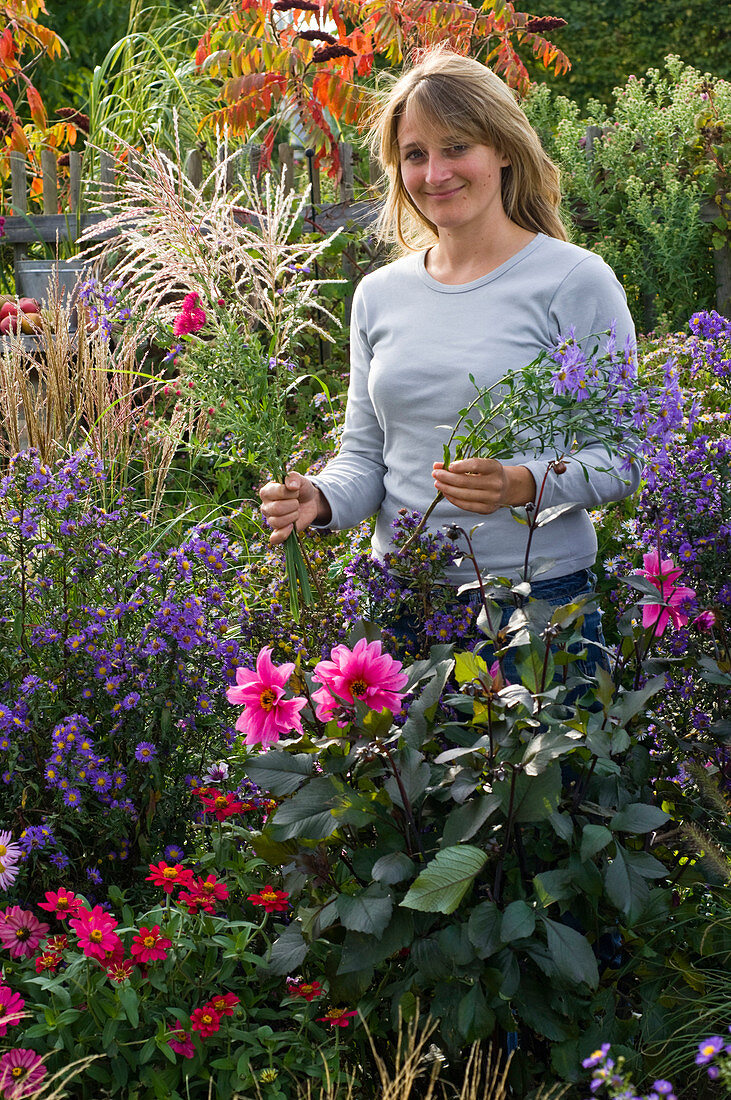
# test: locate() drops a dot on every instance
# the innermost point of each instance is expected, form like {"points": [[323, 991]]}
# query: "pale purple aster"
{"points": [[708, 1049]]}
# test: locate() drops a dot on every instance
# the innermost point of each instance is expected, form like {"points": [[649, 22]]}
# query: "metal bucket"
{"points": [[38, 278]]}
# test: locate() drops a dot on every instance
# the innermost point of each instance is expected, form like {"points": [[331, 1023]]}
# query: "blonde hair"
{"points": [[460, 99]]}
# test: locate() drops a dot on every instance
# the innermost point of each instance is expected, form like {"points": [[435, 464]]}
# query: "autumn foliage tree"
{"points": [[277, 59], [24, 124]]}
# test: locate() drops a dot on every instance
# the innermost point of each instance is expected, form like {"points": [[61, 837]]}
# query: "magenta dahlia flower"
{"points": [[21, 932], [21, 1072], [11, 1009], [267, 714], [363, 673], [663, 573]]}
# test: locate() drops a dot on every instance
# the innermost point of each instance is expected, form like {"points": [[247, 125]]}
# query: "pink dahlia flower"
{"points": [[95, 930], [21, 932], [21, 1072], [11, 1009], [663, 573], [267, 714], [363, 673]]}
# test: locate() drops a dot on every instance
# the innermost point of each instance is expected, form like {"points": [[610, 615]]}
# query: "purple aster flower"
{"points": [[145, 752], [708, 1049], [175, 853], [597, 1057], [94, 876], [72, 797]]}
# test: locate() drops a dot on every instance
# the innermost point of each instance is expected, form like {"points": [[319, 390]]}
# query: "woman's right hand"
{"points": [[296, 503]]}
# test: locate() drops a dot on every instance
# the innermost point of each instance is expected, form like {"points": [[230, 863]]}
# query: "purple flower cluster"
{"points": [[715, 1053], [610, 1075], [711, 344], [102, 304], [120, 661]]}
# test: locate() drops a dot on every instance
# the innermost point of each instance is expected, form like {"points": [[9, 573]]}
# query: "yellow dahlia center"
{"points": [[359, 687], [267, 699]]}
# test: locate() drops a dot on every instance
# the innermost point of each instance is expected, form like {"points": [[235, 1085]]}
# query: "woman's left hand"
{"points": [[483, 485]]}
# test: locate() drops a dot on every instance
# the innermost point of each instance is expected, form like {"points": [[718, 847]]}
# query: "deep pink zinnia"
{"points": [[149, 946], [663, 573], [11, 1009], [21, 1072], [95, 930], [62, 902], [267, 714], [363, 673], [21, 932], [181, 1042]]}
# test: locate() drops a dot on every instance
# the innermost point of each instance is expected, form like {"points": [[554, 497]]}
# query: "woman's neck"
{"points": [[454, 260]]}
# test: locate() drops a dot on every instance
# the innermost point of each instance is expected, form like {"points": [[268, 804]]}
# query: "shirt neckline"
{"points": [[461, 288]]}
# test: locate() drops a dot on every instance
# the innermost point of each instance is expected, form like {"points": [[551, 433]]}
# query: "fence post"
{"points": [[721, 262], [75, 182], [49, 170], [107, 176], [286, 164], [194, 168], [19, 198]]}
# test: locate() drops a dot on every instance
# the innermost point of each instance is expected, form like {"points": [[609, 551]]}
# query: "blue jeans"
{"points": [[557, 592]]}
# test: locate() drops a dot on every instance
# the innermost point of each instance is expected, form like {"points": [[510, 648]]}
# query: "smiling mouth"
{"points": [[443, 194]]}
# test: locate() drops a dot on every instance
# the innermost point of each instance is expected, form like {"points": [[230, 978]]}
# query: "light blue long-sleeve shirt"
{"points": [[414, 342]]}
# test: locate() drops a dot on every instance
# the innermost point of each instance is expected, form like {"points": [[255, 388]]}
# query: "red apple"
{"points": [[8, 309], [28, 305], [11, 322]]}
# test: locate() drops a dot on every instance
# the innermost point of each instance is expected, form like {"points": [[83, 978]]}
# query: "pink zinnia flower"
{"points": [[203, 893], [273, 901], [337, 1017], [181, 1042], [169, 876], [149, 946], [21, 1072], [267, 714], [363, 673], [663, 573], [206, 1020], [9, 855], [63, 903], [223, 1003], [307, 990], [221, 804], [11, 1008], [95, 930], [21, 932]]}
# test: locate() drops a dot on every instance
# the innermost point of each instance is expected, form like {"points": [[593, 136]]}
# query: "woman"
{"points": [[497, 282]]}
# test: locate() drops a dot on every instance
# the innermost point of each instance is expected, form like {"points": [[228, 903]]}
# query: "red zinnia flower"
{"points": [[274, 901], [206, 1020], [308, 990], [49, 960], [181, 1042], [337, 1017], [56, 943], [11, 1005], [63, 903], [223, 1003], [220, 804], [149, 945], [21, 932], [95, 930], [170, 876], [120, 969], [21, 1072]]}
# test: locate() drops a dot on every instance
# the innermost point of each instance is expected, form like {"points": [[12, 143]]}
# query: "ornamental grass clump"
{"points": [[223, 276]]}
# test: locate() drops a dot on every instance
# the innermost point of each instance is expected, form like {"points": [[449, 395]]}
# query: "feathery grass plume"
{"points": [[709, 788], [226, 274], [75, 388], [55, 1087], [707, 850]]}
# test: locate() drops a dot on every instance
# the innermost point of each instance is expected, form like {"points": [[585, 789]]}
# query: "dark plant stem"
{"points": [[404, 798], [500, 871], [533, 513]]}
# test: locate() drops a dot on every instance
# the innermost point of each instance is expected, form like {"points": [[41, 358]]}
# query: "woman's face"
{"points": [[457, 186]]}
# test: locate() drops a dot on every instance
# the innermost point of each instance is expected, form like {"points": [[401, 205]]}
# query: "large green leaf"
{"points": [[415, 729], [638, 817], [441, 886], [631, 703], [571, 953], [288, 952], [414, 774], [361, 951], [392, 868], [626, 889], [519, 921], [307, 813], [475, 1019], [484, 928], [553, 886], [464, 821], [280, 773], [548, 746], [594, 838], [369, 911], [536, 797], [535, 667]]}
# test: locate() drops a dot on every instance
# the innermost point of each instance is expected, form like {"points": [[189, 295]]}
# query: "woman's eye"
{"points": [[459, 148]]}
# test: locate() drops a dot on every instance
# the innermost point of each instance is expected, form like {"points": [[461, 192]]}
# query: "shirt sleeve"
{"points": [[352, 482], [591, 300]]}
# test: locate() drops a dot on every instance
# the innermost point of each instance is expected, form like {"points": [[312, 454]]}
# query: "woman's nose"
{"points": [[437, 169]]}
